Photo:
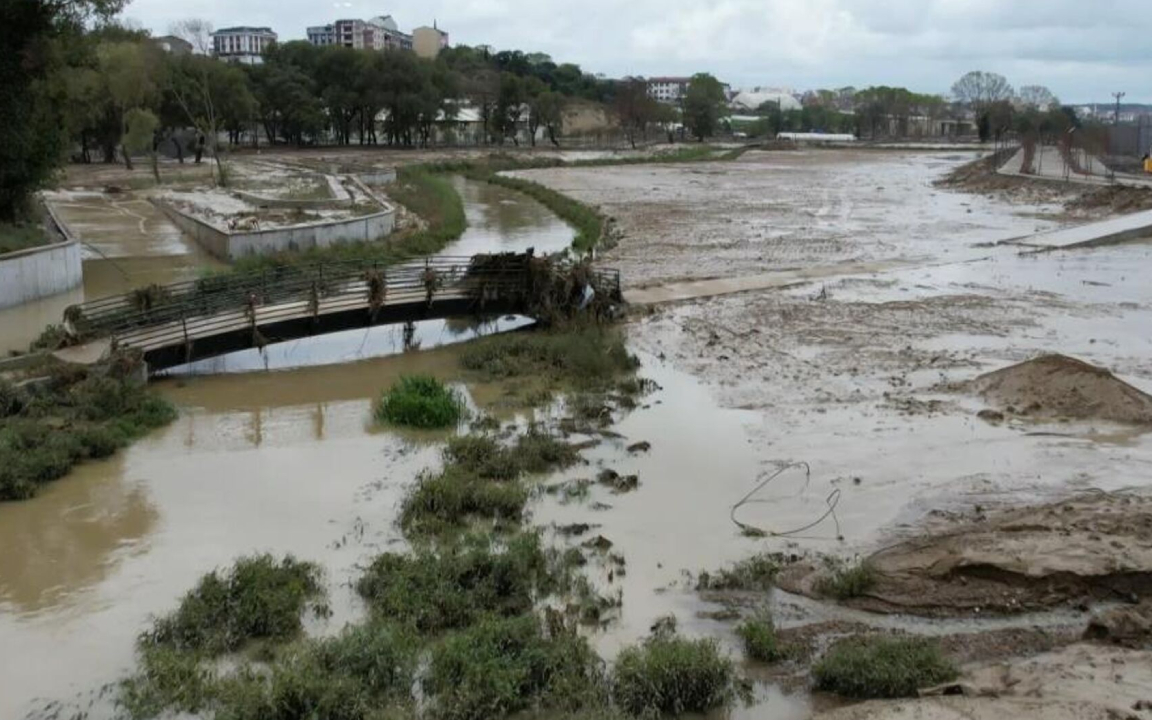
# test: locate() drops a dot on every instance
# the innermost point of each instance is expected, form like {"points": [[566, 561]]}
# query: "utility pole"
{"points": [[1118, 96]]}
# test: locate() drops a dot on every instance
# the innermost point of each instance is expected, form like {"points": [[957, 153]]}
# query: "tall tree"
{"points": [[979, 89], [704, 106], [1037, 97], [33, 129], [635, 110]]}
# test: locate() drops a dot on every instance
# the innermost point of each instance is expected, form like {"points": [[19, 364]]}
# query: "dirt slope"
{"points": [[1057, 386]]}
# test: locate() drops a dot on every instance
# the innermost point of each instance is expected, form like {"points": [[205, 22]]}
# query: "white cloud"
{"points": [[1083, 49]]}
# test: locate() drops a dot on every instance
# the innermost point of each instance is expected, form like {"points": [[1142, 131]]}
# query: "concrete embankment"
{"points": [[39, 272]]}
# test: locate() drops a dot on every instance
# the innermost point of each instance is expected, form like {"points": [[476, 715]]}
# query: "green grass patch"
{"points": [[754, 573], [590, 357], [453, 498], [669, 674], [47, 428], [15, 237], [258, 598], [847, 580], [433, 590], [535, 451], [882, 667], [501, 666], [420, 401], [758, 636]]}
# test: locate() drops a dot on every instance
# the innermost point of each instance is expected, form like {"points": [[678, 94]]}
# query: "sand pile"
{"points": [[1057, 386]]}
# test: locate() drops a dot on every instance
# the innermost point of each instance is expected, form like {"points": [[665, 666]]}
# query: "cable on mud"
{"points": [[831, 501]]}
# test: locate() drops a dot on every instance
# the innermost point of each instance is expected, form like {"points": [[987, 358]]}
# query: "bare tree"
{"points": [[980, 89], [192, 84], [1037, 97]]}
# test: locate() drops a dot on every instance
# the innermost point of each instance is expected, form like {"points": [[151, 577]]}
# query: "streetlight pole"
{"points": [[1118, 96]]}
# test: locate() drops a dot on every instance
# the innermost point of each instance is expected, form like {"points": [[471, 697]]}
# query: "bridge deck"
{"points": [[175, 324]]}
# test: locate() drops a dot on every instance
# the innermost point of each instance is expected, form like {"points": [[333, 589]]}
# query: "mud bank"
{"points": [[778, 211], [1075, 552]]}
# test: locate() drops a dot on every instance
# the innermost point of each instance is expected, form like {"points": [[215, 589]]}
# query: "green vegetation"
{"points": [[586, 358], [434, 590], [754, 573], [705, 105], [258, 598], [479, 481], [882, 667], [500, 666], [47, 427], [758, 635], [846, 581], [420, 401], [672, 675], [20, 237]]}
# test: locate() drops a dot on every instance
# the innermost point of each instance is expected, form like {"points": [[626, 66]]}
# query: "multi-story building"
{"points": [[667, 89], [379, 33], [429, 41], [242, 44]]}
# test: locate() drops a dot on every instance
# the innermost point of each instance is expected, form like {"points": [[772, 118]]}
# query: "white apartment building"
{"points": [[378, 33], [242, 44], [667, 89]]}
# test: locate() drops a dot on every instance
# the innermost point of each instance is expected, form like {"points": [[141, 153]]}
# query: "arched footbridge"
{"points": [[183, 322]]}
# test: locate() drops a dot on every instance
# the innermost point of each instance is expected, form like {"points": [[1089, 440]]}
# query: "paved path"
{"points": [[1118, 229], [693, 289], [1048, 165]]}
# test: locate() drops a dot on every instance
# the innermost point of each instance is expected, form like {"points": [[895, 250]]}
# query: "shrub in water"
{"points": [[433, 591], [448, 500], [882, 667], [847, 581], [588, 357], [420, 401], [259, 597], [501, 666], [673, 675], [754, 573], [758, 635]]}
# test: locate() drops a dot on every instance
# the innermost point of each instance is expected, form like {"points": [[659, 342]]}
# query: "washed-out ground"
{"points": [[862, 376]]}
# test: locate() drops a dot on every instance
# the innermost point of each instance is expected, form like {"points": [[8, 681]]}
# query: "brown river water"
{"points": [[288, 461], [276, 452]]}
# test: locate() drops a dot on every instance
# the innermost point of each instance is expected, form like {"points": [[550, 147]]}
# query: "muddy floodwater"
{"points": [[861, 375]]}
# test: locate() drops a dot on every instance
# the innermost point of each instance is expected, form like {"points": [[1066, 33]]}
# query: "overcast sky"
{"points": [[1082, 49]]}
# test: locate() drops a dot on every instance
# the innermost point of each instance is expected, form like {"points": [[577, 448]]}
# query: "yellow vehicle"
{"points": [[1148, 164]]}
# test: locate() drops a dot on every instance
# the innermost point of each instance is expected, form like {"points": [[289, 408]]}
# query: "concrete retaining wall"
{"points": [[231, 246], [338, 197], [40, 272]]}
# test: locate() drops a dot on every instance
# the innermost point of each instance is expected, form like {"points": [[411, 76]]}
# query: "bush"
{"points": [[587, 358], [847, 581], [433, 591], [882, 667], [46, 429], [501, 666], [673, 675], [379, 657], [258, 598], [535, 452], [420, 401], [167, 680], [758, 635], [754, 573], [450, 499], [295, 688]]}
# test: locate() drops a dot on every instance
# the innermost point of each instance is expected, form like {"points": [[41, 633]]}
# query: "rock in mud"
{"points": [[642, 446], [1126, 626], [617, 482], [1058, 386], [1098, 546]]}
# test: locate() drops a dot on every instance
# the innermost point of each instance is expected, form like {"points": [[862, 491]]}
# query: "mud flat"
{"points": [[784, 210]]}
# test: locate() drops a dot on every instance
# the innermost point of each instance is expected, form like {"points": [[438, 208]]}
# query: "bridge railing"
{"points": [[329, 284]]}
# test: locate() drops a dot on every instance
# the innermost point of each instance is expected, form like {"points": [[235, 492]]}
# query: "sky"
{"points": [[1083, 50]]}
